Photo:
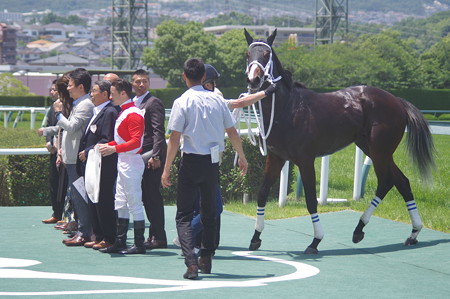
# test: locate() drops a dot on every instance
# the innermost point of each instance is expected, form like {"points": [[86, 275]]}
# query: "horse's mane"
{"points": [[288, 74], [299, 84]]}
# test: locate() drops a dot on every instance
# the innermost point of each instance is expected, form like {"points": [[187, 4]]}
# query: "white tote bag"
{"points": [[92, 174]]}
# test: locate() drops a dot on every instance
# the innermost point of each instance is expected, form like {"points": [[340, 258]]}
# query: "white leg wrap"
{"points": [[414, 214], [370, 209], [259, 225], [318, 231]]}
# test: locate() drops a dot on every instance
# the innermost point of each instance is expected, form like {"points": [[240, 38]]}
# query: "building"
{"points": [[61, 60], [7, 44], [10, 17], [304, 35]]}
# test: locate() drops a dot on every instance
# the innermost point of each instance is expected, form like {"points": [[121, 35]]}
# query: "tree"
{"points": [[176, 44], [435, 65], [230, 60], [382, 60], [10, 86], [70, 20]]}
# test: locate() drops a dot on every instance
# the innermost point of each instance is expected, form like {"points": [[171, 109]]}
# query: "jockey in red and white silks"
{"points": [[128, 138]]}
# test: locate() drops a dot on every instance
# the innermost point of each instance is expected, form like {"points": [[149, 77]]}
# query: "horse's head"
{"points": [[259, 61]]}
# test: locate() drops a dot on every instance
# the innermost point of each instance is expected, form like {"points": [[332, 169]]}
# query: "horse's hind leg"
{"points": [[389, 176], [404, 188], [383, 170], [271, 173]]}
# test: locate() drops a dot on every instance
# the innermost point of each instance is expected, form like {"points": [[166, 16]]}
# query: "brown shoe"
{"points": [[90, 244], [205, 264], [101, 245], [191, 272], [50, 220], [69, 239], [61, 226], [77, 241]]}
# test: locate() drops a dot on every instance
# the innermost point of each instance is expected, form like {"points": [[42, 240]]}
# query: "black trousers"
{"points": [[153, 202], [104, 222], [196, 173], [57, 180]]}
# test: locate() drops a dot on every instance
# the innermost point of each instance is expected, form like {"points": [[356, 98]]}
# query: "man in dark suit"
{"points": [[101, 130], [153, 152]]}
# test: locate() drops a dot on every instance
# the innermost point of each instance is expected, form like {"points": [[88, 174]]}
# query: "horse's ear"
{"points": [[271, 38], [248, 37]]}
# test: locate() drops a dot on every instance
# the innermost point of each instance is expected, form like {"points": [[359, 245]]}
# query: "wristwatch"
{"points": [[156, 158]]}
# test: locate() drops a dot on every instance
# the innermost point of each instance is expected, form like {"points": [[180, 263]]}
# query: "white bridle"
{"points": [[268, 74], [268, 69]]}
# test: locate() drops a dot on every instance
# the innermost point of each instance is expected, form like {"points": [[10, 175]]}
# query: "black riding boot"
{"points": [[139, 238], [121, 239]]}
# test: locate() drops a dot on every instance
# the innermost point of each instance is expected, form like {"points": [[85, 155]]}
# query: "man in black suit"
{"points": [[153, 152], [101, 130]]}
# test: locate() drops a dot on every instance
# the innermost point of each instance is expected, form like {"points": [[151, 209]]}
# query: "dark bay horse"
{"points": [[306, 125]]}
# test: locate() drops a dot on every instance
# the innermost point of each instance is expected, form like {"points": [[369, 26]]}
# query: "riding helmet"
{"points": [[211, 74]]}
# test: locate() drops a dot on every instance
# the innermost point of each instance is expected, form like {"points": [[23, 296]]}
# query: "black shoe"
{"points": [[191, 272], [205, 264], [116, 248], [154, 244], [134, 250]]}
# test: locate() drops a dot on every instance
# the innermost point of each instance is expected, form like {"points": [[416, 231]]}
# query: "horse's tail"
{"points": [[420, 144]]}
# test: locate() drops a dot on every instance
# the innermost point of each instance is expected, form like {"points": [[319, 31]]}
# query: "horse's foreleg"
{"points": [[358, 233], [309, 182], [271, 173], [255, 242]]}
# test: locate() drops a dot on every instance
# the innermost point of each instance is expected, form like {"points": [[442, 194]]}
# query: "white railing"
{"points": [[8, 110]]}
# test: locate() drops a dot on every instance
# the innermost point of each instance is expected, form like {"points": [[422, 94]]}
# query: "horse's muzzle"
{"points": [[254, 84]]}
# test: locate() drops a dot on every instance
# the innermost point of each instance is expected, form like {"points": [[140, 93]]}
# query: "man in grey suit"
{"points": [[78, 88]]}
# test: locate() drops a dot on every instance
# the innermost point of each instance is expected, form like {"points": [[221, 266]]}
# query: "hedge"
{"points": [[28, 101], [424, 99], [24, 178]]}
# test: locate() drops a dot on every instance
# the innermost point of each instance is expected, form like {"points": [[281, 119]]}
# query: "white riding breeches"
{"points": [[130, 168]]}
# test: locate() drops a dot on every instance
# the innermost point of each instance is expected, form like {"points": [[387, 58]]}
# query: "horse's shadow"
{"points": [[299, 255]]}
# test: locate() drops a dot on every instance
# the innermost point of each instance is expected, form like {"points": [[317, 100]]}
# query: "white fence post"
{"points": [[324, 171], [284, 181], [32, 118], [358, 173]]}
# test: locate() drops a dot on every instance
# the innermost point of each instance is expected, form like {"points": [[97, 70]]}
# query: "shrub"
{"points": [[233, 185], [28, 180]]}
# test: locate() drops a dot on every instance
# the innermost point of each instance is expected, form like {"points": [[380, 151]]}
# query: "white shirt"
{"points": [[138, 100], [202, 117]]}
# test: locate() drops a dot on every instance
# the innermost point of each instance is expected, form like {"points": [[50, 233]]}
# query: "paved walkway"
{"points": [[34, 262]]}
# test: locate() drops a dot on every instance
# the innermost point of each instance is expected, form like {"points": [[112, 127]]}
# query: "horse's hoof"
{"points": [[410, 241], [311, 250], [254, 245], [358, 237]]}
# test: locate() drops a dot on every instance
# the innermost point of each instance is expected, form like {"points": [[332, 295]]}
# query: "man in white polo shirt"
{"points": [[201, 117]]}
